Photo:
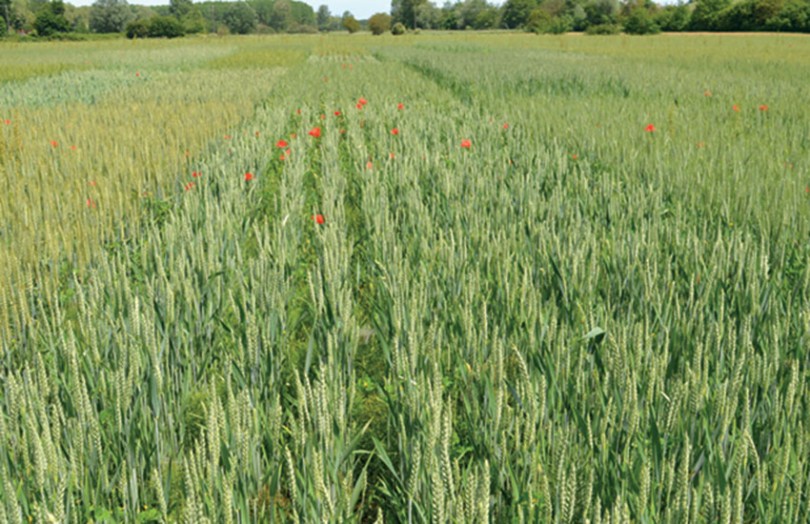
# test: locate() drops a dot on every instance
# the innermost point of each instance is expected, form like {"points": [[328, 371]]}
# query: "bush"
{"points": [[137, 29], [379, 23], [165, 27], [398, 29], [640, 22], [604, 29]]}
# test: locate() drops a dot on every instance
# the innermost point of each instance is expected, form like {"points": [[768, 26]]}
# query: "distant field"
{"points": [[479, 277]]}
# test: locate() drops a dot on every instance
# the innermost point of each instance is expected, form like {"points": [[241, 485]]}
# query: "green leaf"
{"points": [[596, 334]]}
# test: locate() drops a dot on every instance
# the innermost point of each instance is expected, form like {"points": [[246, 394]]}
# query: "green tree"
{"points": [[302, 13], [350, 23], [180, 8], [379, 23], [707, 14], [323, 18], [404, 11], [673, 18], [602, 12], [640, 22], [137, 29], [165, 27], [516, 13], [240, 18], [109, 16], [428, 16], [281, 18], [51, 19], [6, 14]]}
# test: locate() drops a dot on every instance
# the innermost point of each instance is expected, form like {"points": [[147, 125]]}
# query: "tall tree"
{"points": [[109, 16], [324, 17], [5, 16], [282, 15], [240, 18], [404, 11], [51, 19], [180, 8], [516, 13], [350, 23]]}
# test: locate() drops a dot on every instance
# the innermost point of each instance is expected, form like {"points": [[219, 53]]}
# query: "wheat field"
{"points": [[481, 277]]}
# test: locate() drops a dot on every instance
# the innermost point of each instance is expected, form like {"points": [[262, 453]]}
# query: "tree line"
{"points": [[180, 17]]}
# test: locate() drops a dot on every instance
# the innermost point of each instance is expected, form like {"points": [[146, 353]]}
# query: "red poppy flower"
{"points": [[735, 108], [318, 218], [248, 176], [707, 93], [54, 143], [574, 156], [227, 137], [650, 128], [362, 101], [505, 126], [359, 105], [297, 111], [395, 131], [369, 165], [137, 73], [92, 183], [293, 135], [323, 117], [342, 131], [7, 122], [196, 174], [315, 132], [391, 156], [400, 106], [90, 203], [281, 144], [337, 113], [189, 186], [73, 148], [763, 107], [282, 157], [466, 143]]}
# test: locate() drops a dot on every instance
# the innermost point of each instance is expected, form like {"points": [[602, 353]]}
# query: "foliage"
{"points": [[324, 18], [398, 29], [109, 16], [707, 15], [379, 23], [603, 29], [405, 12], [350, 23], [640, 22], [673, 18], [180, 8], [51, 19], [240, 18], [137, 29], [518, 13], [165, 27]]}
